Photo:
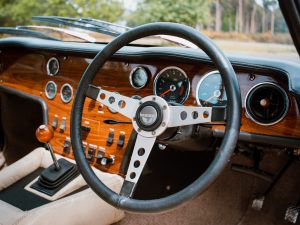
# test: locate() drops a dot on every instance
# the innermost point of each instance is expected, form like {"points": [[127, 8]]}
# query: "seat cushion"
{"points": [[84, 207], [9, 214]]}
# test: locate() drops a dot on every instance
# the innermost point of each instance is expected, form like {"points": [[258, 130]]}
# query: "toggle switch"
{"points": [[91, 152], [55, 122], [100, 155], [110, 137], [121, 139], [63, 125], [67, 146]]}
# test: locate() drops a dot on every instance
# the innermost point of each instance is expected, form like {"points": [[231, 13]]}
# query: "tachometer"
{"points": [[50, 89], [66, 93], [211, 91], [172, 84]]}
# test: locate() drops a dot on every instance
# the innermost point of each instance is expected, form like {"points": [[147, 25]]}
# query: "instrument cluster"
{"points": [[173, 84]]}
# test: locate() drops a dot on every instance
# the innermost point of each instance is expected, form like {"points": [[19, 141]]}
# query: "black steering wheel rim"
{"points": [[231, 131]]}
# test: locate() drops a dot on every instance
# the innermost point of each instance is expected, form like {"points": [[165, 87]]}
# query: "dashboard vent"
{"points": [[266, 103]]}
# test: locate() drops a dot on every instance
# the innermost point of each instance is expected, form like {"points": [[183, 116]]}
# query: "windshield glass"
{"points": [[249, 27]]}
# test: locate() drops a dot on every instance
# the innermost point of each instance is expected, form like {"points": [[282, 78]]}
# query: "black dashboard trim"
{"points": [[263, 139]]}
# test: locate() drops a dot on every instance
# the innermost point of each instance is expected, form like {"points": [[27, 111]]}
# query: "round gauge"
{"points": [[211, 91], [52, 66], [172, 84], [66, 93], [50, 89], [138, 77]]}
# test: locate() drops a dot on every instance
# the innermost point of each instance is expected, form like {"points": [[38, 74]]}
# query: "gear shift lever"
{"points": [[57, 175], [44, 133]]}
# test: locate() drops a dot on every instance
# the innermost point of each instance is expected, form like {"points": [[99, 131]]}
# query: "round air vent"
{"points": [[266, 103]]}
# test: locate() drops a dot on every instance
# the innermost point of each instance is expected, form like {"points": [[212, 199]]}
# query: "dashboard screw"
{"points": [[251, 77], [139, 130], [164, 107], [153, 132], [153, 98], [141, 102], [163, 124]]}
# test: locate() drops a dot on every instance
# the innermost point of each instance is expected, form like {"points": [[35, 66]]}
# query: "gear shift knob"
{"points": [[44, 133]]}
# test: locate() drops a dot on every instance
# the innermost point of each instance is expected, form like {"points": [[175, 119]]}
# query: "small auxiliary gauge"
{"points": [[66, 93], [138, 77], [52, 66], [50, 89]]}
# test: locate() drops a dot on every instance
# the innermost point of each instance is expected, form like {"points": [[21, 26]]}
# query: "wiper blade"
{"points": [[98, 26], [25, 33]]}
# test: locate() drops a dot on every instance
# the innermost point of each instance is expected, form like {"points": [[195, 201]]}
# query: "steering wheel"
{"points": [[151, 116]]}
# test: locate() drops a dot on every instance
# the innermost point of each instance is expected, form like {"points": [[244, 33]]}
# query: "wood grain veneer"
{"points": [[27, 72]]}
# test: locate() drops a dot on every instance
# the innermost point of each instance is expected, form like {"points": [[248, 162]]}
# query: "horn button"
{"points": [[149, 116]]}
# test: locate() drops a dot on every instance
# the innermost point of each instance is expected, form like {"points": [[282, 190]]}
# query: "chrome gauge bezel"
{"points": [[182, 71], [46, 93], [61, 93], [131, 74], [248, 115], [48, 66], [201, 81]]}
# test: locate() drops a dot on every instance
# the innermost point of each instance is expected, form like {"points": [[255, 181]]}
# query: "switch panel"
{"points": [[110, 137], [121, 139]]}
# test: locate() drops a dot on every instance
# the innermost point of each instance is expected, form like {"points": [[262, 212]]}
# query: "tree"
{"points": [[218, 22], [19, 12], [190, 12]]}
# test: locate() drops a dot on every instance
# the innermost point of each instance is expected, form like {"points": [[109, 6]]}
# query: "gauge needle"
{"points": [[166, 92], [216, 94], [172, 88]]}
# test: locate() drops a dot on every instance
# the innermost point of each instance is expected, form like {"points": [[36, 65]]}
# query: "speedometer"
{"points": [[211, 91], [172, 84]]}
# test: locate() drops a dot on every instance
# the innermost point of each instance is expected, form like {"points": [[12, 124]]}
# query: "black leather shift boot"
{"points": [[52, 180]]}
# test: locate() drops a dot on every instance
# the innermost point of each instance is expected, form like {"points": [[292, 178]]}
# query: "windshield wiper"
{"points": [[25, 32], [90, 24]]}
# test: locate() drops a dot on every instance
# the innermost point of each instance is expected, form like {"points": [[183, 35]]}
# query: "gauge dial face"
{"points": [[66, 93], [211, 90], [52, 66], [138, 77], [172, 84], [50, 89]]}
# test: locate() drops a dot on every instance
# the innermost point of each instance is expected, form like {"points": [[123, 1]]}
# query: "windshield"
{"points": [[249, 27]]}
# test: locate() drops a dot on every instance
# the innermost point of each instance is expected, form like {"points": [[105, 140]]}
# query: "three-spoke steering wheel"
{"points": [[151, 116]]}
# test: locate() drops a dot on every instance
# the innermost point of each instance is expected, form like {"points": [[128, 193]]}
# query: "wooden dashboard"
{"points": [[27, 72]]}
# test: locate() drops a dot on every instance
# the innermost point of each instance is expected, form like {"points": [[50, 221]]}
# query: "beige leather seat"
{"points": [[84, 207]]}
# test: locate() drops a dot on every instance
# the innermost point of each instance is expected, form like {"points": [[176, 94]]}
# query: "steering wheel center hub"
{"points": [[151, 116]]}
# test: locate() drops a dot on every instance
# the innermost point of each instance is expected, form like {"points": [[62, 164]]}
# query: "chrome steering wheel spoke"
{"points": [[142, 149], [119, 103], [189, 115]]}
